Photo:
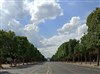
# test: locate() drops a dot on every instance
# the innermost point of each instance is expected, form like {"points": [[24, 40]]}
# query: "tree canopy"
{"points": [[88, 47], [17, 48]]}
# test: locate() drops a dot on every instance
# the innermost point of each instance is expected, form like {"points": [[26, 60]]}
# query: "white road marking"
{"points": [[35, 73], [48, 70]]}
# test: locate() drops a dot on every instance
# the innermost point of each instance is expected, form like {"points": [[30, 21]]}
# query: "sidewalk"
{"points": [[6, 66], [19, 65], [93, 65]]}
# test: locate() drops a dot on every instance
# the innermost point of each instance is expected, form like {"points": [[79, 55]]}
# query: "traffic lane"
{"points": [[21, 70], [58, 69], [42, 70], [53, 68], [83, 69], [63, 68]]}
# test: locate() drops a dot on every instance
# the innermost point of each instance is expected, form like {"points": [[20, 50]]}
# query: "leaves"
{"points": [[18, 47], [89, 43]]}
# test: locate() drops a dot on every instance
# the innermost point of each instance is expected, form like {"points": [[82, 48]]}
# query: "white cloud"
{"points": [[51, 44], [31, 32], [71, 26], [45, 9], [48, 51], [10, 11], [39, 12], [82, 29], [15, 26], [72, 30]]}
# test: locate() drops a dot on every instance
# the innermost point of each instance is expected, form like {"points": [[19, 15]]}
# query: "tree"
{"points": [[72, 44], [89, 44], [93, 23], [65, 51], [1, 47], [17, 47], [84, 42]]}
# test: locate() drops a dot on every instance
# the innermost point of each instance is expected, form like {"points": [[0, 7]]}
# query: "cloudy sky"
{"points": [[46, 23]]}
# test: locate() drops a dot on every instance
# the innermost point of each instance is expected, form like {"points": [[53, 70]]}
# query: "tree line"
{"points": [[17, 49], [85, 49]]}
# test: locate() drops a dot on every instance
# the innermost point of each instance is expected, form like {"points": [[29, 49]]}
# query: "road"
{"points": [[51, 68]]}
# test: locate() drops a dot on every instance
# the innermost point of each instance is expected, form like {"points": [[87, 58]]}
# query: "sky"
{"points": [[46, 23]]}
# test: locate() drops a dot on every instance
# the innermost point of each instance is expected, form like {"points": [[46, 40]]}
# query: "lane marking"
{"points": [[35, 73], [48, 70]]}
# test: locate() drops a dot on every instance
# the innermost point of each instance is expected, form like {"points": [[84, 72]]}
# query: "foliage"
{"points": [[17, 48], [89, 44]]}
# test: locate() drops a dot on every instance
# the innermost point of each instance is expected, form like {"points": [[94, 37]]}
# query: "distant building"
{"points": [[48, 59]]}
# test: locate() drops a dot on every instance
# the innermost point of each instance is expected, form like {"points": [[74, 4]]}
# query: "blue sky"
{"points": [[46, 23], [70, 8], [81, 9]]}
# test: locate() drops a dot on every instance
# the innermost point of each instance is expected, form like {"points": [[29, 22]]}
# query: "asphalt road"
{"points": [[51, 68]]}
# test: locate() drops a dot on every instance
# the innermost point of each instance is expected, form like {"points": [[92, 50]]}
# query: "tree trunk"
{"points": [[1, 64], [1, 59], [11, 64], [98, 56], [81, 58], [15, 64], [85, 58], [90, 59], [78, 58], [23, 61], [73, 59], [67, 59]]}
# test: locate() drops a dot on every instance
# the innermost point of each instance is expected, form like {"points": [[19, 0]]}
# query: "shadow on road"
{"points": [[26, 65], [29, 65], [5, 72]]}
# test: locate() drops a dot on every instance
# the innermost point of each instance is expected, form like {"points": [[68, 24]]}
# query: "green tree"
{"points": [[72, 44], [17, 48], [93, 23]]}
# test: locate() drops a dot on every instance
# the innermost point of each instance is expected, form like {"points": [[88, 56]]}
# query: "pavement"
{"points": [[52, 68], [93, 64]]}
